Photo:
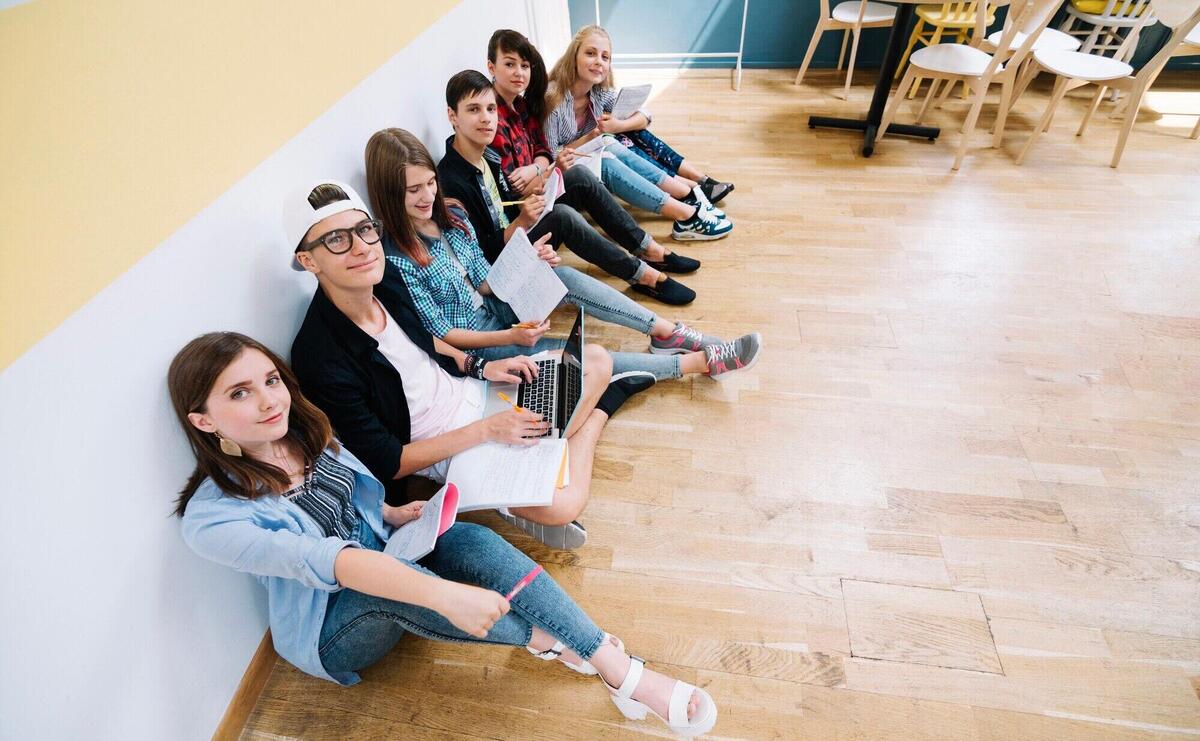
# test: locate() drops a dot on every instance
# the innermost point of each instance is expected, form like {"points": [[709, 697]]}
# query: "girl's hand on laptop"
{"points": [[510, 370], [515, 428], [525, 336], [402, 515], [546, 251]]}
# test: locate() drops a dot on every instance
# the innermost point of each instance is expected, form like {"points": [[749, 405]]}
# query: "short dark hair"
{"points": [[466, 84]]}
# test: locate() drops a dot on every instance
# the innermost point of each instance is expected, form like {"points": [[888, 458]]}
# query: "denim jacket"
{"points": [[289, 554]]}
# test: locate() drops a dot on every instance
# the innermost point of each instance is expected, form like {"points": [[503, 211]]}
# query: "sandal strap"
{"points": [[551, 653], [636, 666], [681, 695]]}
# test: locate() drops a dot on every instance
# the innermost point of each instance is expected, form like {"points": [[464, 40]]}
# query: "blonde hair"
{"points": [[565, 72]]}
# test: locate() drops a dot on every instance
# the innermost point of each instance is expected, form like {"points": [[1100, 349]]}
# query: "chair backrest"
{"points": [[1173, 13], [1028, 17], [1124, 9], [1180, 28]]}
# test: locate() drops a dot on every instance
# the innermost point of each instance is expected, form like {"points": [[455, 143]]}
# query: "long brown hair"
{"points": [[508, 41], [190, 380], [388, 153], [566, 71]]}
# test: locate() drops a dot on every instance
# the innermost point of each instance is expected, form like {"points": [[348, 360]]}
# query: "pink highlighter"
{"points": [[525, 581]]}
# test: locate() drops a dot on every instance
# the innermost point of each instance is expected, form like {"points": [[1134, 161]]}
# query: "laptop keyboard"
{"points": [[538, 396]]}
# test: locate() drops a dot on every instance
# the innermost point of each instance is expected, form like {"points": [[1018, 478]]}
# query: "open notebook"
{"points": [[415, 539]]}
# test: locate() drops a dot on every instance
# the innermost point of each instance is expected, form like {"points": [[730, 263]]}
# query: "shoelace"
{"points": [[692, 335], [724, 351]]}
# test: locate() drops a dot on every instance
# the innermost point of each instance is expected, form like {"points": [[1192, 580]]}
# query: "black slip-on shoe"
{"points": [[669, 291], [676, 263]]}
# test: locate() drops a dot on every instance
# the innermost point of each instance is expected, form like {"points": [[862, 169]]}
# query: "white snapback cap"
{"points": [[299, 215]]}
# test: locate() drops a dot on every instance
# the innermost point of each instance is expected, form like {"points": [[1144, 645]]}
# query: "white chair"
{"points": [[1107, 18], [850, 17], [1076, 69], [975, 68]]}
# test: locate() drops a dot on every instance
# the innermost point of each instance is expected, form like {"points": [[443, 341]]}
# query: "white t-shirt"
{"points": [[432, 394]]}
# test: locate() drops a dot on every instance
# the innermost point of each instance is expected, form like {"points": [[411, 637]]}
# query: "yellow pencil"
{"points": [[512, 203], [504, 397]]}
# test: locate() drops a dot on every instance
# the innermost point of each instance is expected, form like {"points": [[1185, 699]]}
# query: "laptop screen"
{"points": [[573, 352]]}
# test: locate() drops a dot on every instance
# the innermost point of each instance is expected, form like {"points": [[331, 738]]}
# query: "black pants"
{"points": [[583, 192]]}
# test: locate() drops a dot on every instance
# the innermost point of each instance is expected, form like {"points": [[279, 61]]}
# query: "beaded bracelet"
{"points": [[473, 367]]}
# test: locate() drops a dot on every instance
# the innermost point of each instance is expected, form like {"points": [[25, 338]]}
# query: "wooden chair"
{"points": [[850, 17], [1076, 69], [1190, 48], [1100, 23], [958, 17], [975, 68]]}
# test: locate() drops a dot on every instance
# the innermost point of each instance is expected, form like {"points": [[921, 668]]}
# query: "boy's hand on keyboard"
{"points": [[511, 370], [515, 428], [528, 336]]}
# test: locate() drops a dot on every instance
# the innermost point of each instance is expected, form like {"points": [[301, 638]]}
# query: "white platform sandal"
{"points": [[677, 709], [584, 667]]}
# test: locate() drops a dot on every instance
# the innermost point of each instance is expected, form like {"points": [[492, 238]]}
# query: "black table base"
{"points": [[870, 125]]}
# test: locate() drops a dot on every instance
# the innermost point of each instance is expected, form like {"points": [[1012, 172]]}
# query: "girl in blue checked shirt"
{"points": [[435, 248], [274, 495]]}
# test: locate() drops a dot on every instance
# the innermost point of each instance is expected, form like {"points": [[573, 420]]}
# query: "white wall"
{"points": [[111, 627]]}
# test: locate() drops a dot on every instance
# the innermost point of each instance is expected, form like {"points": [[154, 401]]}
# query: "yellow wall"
{"points": [[122, 119]]}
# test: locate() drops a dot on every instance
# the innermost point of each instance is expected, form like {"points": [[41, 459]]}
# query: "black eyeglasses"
{"points": [[339, 241]]}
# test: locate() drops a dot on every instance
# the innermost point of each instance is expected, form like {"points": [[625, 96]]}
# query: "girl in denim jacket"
{"points": [[274, 495]]}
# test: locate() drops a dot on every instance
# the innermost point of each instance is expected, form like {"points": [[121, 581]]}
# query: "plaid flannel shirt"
{"points": [[442, 297], [519, 136]]}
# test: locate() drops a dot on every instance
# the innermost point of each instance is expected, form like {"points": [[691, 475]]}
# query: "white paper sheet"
{"points": [[525, 281], [629, 101], [591, 154], [492, 475], [552, 192], [417, 538]]}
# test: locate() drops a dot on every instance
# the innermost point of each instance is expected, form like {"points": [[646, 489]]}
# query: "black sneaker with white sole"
{"points": [[621, 387], [715, 190]]}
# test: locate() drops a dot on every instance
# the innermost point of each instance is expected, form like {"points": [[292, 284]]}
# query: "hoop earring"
{"points": [[229, 447]]}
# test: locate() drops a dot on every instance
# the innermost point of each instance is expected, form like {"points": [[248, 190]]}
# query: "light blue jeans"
{"points": [[597, 300], [360, 629], [634, 178]]}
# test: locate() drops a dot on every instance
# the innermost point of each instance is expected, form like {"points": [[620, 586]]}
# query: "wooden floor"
{"points": [[958, 498]]}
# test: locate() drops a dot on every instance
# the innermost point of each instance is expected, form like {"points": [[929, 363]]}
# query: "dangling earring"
{"points": [[229, 447]]}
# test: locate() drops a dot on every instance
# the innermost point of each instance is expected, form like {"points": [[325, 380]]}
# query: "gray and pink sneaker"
{"points": [[735, 355], [683, 340]]}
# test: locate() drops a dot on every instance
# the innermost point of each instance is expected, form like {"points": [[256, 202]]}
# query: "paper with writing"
{"points": [[629, 101], [525, 281], [552, 192], [494, 475]]}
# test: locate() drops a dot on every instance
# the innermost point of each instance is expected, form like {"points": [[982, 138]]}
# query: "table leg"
{"points": [[883, 88]]}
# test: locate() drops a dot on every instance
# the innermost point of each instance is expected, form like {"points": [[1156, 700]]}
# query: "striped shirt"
{"points": [[561, 127], [326, 496]]}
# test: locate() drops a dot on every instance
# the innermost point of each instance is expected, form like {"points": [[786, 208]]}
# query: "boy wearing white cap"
{"points": [[401, 400]]}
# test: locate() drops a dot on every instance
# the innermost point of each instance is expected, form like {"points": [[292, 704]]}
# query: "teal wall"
{"points": [[777, 31]]}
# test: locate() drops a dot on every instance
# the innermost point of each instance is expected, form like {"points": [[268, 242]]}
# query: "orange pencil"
{"points": [[503, 396]]}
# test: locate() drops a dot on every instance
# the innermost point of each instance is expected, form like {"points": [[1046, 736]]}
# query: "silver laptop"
{"points": [[555, 393]]}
